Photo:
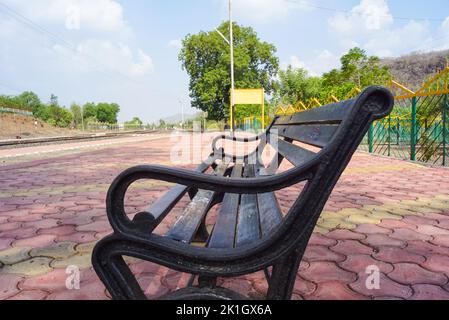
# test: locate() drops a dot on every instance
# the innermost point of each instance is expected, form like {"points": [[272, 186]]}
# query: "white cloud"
{"points": [[267, 10], [103, 42], [98, 15], [108, 56], [388, 43], [445, 26], [176, 43], [295, 62], [370, 25], [369, 15], [322, 62]]}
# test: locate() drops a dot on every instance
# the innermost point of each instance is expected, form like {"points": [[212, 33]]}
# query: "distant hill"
{"points": [[177, 118], [415, 68]]}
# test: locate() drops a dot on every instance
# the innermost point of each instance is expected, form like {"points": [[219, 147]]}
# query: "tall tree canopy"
{"points": [[206, 58], [295, 85], [357, 70]]}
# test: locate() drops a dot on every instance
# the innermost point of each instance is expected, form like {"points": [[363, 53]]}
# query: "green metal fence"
{"points": [[417, 129]]}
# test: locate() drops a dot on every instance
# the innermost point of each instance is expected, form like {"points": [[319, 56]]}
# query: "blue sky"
{"points": [[126, 51]]}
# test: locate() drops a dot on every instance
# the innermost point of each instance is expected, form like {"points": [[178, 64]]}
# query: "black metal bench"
{"points": [[250, 233]]}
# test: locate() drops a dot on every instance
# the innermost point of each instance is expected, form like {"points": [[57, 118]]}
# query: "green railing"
{"points": [[417, 130]]}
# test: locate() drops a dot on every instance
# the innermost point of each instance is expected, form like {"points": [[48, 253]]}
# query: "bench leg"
{"points": [[283, 276], [115, 273]]}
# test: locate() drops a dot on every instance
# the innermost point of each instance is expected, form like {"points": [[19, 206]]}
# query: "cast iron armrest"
{"points": [[144, 223], [220, 152]]}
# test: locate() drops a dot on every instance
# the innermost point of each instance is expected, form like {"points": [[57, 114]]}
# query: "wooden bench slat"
{"points": [[316, 135], [333, 113], [223, 235], [187, 225], [293, 153], [248, 227], [164, 205], [269, 211]]}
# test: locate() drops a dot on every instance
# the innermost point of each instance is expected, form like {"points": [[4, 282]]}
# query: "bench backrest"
{"points": [[337, 130]]}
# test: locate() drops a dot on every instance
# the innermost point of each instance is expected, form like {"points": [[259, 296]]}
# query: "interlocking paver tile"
{"points": [[410, 273], [371, 229], [14, 255], [30, 295], [432, 231], [9, 285], [442, 241], [93, 291], [429, 292], [425, 248], [320, 240], [348, 247], [51, 281], [31, 267], [334, 290], [37, 241], [396, 255], [82, 261], [437, 263], [319, 272], [79, 237], [407, 234], [358, 263], [383, 212], [387, 288], [153, 287], [5, 244], [345, 235], [57, 251], [322, 253]]}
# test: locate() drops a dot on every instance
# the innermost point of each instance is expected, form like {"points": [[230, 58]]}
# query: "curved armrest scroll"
{"points": [[142, 225]]}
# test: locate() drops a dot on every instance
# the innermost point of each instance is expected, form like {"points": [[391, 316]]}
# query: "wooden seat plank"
{"points": [[293, 153], [187, 225], [223, 235], [248, 228], [270, 213], [164, 205]]}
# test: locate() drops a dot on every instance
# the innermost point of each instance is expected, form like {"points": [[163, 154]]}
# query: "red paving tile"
{"points": [[54, 198], [409, 273]]}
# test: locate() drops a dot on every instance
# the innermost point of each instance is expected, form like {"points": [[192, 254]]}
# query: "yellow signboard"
{"points": [[250, 96]]}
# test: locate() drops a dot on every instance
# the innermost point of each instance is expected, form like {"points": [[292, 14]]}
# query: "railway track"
{"points": [[19, 143]]}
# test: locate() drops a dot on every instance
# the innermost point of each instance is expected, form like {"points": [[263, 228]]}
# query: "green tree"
{"points": [[107, 112], [206, 58], [135, 121], [29, 100], [90, 111], [57, 115], [77, 113], [54, 100], [162, 124], [357, 70], [295, 85]]}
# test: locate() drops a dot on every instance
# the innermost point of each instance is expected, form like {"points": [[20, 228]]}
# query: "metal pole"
{"points": [[371, 138], [445, 110], [413, 130], [231, 40], [182, 113], [82, 117], [389, 135]]}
